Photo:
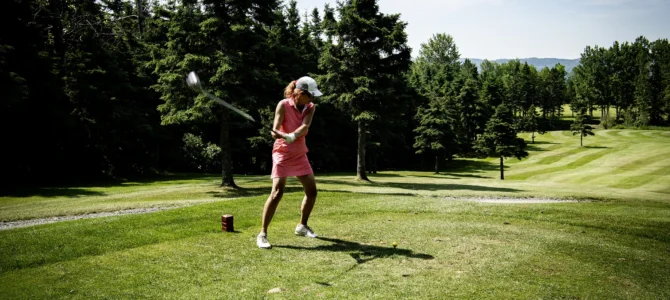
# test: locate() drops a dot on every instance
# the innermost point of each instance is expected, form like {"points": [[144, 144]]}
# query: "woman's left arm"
{"points": [[306, 122]]}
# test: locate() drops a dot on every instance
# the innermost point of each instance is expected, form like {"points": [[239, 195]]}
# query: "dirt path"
{"points": [[503, 200], [32, 222]]}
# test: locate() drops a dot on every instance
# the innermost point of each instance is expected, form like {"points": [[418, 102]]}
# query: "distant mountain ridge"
{"points": [[539, 63]]}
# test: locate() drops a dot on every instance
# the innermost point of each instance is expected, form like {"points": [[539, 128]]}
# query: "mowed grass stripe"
{"points": [[610, 135], [573, 165], [641, 135], [546, 156], [559, 156], [664, 191], [663, 135], [563, 136], [631, 166], [556, 160], [652, 174]]}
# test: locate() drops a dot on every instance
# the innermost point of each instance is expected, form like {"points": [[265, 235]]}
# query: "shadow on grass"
{"points": [[596, 147], [541, 142], [531, 147], [260, 191], [384, 175], [359, 252], [442, 176], [424, 186], [77, 188], [251, 192], [49, 192], [367, 193], [470, 166], [453, 176]]}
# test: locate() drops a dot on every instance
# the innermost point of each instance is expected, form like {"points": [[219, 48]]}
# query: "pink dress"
{"points": [[291, 159]]}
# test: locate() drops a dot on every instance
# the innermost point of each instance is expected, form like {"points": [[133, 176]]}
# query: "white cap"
{"points": [[308, 84]]}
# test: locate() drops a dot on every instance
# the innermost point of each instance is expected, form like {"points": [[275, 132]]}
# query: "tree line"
{"points": [[96, 90], [631, 78]]}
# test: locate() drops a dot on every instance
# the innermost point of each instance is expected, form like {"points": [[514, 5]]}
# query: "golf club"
{"points": [[193, 82]]}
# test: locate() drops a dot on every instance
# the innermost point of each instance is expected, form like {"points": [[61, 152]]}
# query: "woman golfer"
{"points": [[293, 117]]}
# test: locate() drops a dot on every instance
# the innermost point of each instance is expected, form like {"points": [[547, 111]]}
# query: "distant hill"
{"points": [[539, 63]]}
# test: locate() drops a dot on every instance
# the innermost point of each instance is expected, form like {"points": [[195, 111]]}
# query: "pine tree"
{"points": [[468, 99], [431, 76], [500, 138], [227, 45], [370, 50], [580, 125], [433, 133], [530, 123]]}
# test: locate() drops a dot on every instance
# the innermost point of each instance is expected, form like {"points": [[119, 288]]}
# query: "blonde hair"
{"points": [[288, 91], [291, 91]]}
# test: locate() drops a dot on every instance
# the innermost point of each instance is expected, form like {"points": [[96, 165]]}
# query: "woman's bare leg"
{"points": [[278, 185], [309, 184]]}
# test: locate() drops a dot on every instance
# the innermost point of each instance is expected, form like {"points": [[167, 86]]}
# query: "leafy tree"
{"points": [[500, 138]]}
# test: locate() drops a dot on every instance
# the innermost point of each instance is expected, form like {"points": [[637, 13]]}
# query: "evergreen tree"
{"points": [[468, 102], [227, 45], [644, 94], [580, 125], [431, 76], [500, 138], [433, 133], [371, 50], [530, 123]]}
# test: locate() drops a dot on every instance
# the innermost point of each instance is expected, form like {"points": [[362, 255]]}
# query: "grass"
{"points": [[616, 246]]}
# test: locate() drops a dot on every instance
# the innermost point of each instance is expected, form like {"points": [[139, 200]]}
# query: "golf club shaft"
{"points": [[226, 104], [235, 109]]}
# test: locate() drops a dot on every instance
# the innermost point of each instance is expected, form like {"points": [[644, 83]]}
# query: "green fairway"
{"points": [[614, 243]]}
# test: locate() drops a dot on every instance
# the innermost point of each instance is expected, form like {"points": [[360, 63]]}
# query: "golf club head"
{"points": [[193, 81]]}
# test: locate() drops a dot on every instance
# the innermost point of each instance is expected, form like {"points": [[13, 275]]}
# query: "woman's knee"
{"points": [[276, 194], [311, 192]]}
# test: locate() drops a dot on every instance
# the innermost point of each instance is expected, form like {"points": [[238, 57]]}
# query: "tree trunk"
{"points": [[533, 137], [581, 138], [360, 168], [502, 170], [57, 23], [437, 164], [226, 153], [140, 17]]}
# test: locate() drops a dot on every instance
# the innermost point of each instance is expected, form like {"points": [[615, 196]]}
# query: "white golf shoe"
{"points": [[262, 241], [305, 231]]}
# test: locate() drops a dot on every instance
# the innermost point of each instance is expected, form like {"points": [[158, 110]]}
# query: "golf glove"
{"points": [[290, 138]]}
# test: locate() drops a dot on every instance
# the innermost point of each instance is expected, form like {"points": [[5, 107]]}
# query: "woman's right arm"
{"points": [[279, 117]]}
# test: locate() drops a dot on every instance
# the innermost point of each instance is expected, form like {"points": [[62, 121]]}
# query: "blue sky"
{"points": [[495, 29]]}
